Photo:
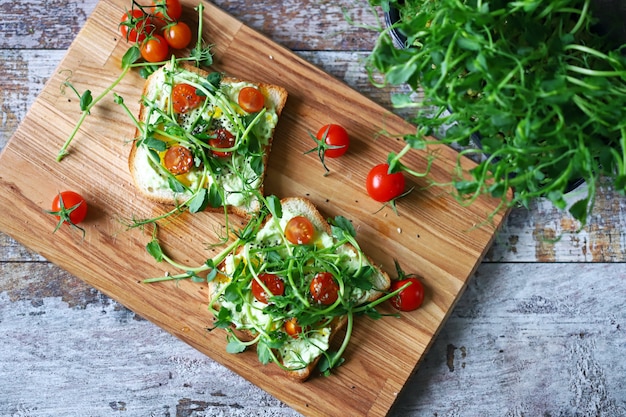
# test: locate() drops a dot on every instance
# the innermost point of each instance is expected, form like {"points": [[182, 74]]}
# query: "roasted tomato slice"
{"points": [[324, 289], [292, 327], [222, 139], [178, 160], [299, 230], [184, 98], [251, 100], [274, 284]]}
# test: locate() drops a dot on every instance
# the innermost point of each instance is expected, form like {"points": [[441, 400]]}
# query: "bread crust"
{"points": [[308, 209], [276, 94]]}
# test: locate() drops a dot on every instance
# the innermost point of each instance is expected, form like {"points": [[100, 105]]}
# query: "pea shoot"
{"points": [[535, 81], [291, 324], [201, 54]]}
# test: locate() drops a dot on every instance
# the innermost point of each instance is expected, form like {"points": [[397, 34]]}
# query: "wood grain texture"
{"points": [[114, 261], [524, 339], [528, 234]]}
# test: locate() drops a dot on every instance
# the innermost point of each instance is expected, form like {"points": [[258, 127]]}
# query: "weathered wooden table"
{"points": [[540, 329]]}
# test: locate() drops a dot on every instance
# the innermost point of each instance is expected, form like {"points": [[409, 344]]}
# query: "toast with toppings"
{"points": [[203, 140], [293, 286]]}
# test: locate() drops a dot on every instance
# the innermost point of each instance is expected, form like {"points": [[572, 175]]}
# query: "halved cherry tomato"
{"points": [[382, 186], [274, 284], [324, 289], [69, 207], [177, 35], [184, 98], [167, 10], [336, 137], [292, 327], [222, 139], [411, 297], [178, 160], [155, 49], [299, 230], [136, 25], [251, 100]]}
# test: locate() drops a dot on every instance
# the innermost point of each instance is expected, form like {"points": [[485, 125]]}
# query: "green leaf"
{"points": [[131, 56], [579, 209], [224, 319], [211, 275], [154, 249], [231, 293], [85, 100], [235, 345], [215, 196], [257, 165], [155, 145], [274, 206], [400, 74], [415, 141], [469, 44], [341, 225], [263, 352], [175, 185], [199, 202]]}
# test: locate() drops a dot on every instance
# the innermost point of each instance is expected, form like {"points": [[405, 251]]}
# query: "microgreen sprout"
{"points": [[252, 253], [201, 55], [535, 81]]}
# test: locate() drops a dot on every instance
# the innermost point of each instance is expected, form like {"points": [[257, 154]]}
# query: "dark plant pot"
{"points": [[400, 41]]}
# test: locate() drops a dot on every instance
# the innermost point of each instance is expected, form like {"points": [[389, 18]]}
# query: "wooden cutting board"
{"points": [[433, 235]]}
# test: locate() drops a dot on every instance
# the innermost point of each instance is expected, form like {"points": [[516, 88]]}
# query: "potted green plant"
{"points": [[542, 83]]}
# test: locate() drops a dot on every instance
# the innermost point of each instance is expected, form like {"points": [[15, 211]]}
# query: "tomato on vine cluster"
{"points": [[156, 29]]}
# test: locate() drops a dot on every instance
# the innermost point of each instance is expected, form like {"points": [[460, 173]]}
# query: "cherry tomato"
{"points": [[251, 100], [382, 186], [168, 10], [184, 98], [299, 230], [222, 139], [135, 25], [411, 297], [292, 327], [274, 284], [324, 289], [155, 49], [177, 35], [69, 207], [336, 137], [178, 160]]}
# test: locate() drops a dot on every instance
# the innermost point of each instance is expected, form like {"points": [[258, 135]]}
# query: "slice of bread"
{"points": [[237, 176], [254, 313]]}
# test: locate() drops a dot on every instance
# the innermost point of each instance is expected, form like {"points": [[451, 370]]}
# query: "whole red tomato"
{"points": [[135, 25], [272, 282], [251, 100], [184, 98], [383, 186], [411, 297], [177, 35], [299, 230], [155, 49], [69, 208], [336, 138], [324, 289], [167, 10]]}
